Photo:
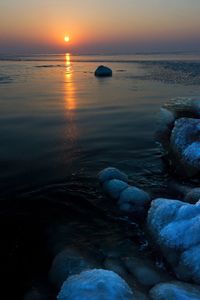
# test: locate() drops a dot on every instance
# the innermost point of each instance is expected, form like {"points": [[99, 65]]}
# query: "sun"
{"points": [[66, 38]]}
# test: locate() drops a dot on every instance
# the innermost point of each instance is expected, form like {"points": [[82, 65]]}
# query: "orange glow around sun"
{"points": [[66, 38]]}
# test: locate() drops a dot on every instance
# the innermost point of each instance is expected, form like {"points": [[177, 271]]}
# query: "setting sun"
{"points": [[66, 38]]}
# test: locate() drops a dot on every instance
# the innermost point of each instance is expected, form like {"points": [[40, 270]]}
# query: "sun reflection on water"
{"points": [[70, 98]]}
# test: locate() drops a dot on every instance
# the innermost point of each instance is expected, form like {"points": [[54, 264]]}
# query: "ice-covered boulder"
{"points": [[175, 291], [96, 284], [175, 227], [114, 188], [103, 71], [185, 146], [133, 200], [178, 131], [66, 263], [130, 199]]}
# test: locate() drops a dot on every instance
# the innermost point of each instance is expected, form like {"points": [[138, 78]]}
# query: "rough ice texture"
{"points": [[114, 188], [184, 144], [175, 226], [112, 173], [175, 291], [96, 284]]}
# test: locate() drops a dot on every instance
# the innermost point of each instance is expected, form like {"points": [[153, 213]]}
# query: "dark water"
{"points": [[59, 126]]}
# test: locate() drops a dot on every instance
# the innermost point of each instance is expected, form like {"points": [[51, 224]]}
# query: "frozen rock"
{"points": [[175, 291], [178, 132], [103, 71], [133, 200], [193, 196], [175, 226], [185, 146], [145, 272], [111, 173], [95, 284], [67, 263], [114, 188]]}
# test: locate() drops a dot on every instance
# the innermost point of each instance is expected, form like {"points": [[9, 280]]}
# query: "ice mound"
{"points": [[179, 133], [175, 226], [96, 284]]}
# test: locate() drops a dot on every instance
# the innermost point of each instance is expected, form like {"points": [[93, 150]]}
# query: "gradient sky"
{"points": [[95, 26]]}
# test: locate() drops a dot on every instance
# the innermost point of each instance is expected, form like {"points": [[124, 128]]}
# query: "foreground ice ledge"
{"points": [[175, 227]]}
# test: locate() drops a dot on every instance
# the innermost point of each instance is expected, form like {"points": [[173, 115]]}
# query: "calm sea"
{"points": [[59, 126]]}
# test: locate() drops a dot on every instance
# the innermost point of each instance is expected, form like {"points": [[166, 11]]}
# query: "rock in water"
{"points": [[130, 200], [111, 173], [133, 200], [114, 188], [175, 226], [96, 284], [175, 291], [103, 71]]}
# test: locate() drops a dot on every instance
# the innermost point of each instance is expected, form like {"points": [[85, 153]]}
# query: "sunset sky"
{"points": [[94, 26]]}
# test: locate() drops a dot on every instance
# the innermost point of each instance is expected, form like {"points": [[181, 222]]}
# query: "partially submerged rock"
{"points": [[96, 284], [130, 200], [175, 227], [175, 291], [103, 71], [133, 200], [114, 188], [111, 173]]}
